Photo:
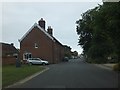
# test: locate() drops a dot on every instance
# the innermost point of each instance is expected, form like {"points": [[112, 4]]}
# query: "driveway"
{"points": [[73, 74]]}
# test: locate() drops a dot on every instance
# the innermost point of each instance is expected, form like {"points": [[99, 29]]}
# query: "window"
{"points": [[26, 56], [36, 45]]}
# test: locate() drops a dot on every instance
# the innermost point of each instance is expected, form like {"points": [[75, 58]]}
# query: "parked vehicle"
{"points": [[66, 59], [31, 61]]}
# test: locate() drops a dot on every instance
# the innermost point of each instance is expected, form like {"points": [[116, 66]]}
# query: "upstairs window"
{"points": [[36, 45]]}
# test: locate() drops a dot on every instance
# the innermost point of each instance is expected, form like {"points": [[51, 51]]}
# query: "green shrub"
{"points": [[96, 61]]}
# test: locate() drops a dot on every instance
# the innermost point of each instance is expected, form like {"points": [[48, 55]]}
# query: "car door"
{"points": [[39, 60], [36, 61], [33, 60]]}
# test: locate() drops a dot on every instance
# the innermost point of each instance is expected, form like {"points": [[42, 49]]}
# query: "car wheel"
{"points": [[30, 63], [43, 64]]}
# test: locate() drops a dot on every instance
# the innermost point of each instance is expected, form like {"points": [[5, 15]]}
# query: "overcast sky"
{"points": [[18, 18]]}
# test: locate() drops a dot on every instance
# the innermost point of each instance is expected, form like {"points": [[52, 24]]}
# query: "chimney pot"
{"points": [[50, 30], [12, 44], [49, 27], [41, 23]]}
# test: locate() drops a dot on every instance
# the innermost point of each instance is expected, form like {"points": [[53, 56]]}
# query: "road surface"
{"points": [[73, 74]]}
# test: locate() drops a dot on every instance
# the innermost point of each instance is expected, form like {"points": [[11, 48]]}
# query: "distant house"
{"points": [[41, 43], [68, 52], [8, 53]]}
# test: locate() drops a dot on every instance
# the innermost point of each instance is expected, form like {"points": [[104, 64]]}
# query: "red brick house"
{"points": [[8, 52], [38, 42]]}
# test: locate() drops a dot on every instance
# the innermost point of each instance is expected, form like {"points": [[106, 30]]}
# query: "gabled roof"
{"points": [[36, 25], [55, 40], [8, 49]]}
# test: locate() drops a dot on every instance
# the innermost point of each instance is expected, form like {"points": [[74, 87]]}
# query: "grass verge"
{"points": [[11, 74]]}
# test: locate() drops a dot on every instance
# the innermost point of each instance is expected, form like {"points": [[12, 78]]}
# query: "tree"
{"points": [[75, 53], [99, 31], [84, 30]]}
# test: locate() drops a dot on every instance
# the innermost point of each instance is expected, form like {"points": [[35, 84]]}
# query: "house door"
{"points": [[26, 56]]}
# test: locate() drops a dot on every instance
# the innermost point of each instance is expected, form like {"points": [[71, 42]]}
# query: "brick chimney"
{"points": [[41, 23], [50, 30], [12, 44]]}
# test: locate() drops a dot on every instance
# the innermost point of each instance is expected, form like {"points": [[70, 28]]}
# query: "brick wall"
{"points": [[8, 60], [58, 52], [48, 49], [45, 44]]}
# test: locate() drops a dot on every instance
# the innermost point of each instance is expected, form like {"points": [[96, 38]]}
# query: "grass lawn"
{"points": [[11, 74]]}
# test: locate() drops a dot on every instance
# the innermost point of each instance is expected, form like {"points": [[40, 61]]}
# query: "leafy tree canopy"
{"points": [[99, 31]]}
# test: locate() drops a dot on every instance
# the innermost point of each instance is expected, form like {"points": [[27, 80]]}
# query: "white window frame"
{"points": [[36, 45], [24, 57]]}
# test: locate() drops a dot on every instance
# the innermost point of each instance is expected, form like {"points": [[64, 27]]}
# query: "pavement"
{"points": [[108, 66]]}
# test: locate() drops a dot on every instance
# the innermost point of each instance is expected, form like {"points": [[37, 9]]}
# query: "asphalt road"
{"points": [[73, 74]]}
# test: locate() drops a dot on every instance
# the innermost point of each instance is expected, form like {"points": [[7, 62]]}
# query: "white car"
{"points": [[37, 61]]}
